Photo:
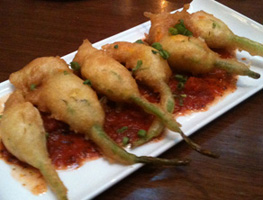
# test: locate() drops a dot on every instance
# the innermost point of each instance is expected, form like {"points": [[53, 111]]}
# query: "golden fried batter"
{"points": [[24, 136]]}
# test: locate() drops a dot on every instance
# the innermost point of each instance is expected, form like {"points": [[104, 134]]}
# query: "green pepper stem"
{"points": [[167, 99], [53, 180], [242, 43], [109, 148], [234, 67], [113, 151], [156, 128], [170, 123]]}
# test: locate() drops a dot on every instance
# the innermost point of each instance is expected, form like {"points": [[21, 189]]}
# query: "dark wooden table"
{"points": [[31, 29]]}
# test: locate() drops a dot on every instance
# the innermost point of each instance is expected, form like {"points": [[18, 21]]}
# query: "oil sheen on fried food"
{"points": [[69, 150]]}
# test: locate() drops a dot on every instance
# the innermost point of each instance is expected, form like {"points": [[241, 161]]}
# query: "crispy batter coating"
{"points": [[37, 71], [190, 54], [218, 35], [204, 25], [150, 68], [60, 92], [117, 81], [24, 136], [215, 32], [30, 78], [69, 100], [161, 22], [153, 69], [21, 120], [109, 77]]}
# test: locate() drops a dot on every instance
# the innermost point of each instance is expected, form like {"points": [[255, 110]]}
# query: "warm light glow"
{"points": [[163, 5]]}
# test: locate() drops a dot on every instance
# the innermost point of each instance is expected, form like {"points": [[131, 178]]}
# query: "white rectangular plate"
{"points": [[96, 176]]}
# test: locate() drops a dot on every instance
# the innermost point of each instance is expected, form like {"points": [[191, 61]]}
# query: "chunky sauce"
{"points": [[200, 92], [125, 121], [67, 149]]}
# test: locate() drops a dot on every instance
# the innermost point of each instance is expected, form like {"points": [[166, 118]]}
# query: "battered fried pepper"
{"points": [[190, 54], [214, 31], [218, 35], [174, 31], [110, 78], [149, 67], [64, 95], [160, 24], [24, 136], [30, 79]]}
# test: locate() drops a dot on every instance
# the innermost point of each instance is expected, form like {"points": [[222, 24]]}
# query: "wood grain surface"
{"points": [[34, 28]]}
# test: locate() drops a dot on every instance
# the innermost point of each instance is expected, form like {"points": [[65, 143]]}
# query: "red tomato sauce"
{"points": [[125, 121], [67, 149], [200, 92]]}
